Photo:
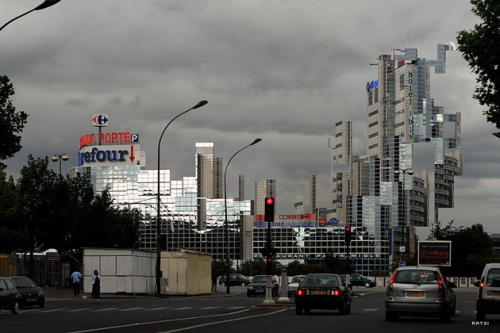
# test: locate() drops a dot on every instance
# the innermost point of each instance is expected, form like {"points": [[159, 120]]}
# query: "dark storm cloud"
{"points": [[284, 71]]}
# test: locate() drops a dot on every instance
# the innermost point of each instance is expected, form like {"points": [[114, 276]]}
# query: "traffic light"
{"points": [[269, 264], [347, 234], [269, 209]]}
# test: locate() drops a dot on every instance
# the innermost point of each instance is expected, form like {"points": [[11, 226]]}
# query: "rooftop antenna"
{"points": [[407, 41]]}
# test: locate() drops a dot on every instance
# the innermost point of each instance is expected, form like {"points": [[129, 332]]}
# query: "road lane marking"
{"points": [[370, 309], [105, 309], [130, 309], [156, 309], [184, 308], [159, 322]]}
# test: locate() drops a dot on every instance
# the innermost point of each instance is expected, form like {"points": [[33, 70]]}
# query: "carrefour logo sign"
{"points": [[107, 155]]}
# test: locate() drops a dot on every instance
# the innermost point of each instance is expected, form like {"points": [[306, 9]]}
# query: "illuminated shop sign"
{"points": [[108, 155], [297, 224], [283, 217], [108, 139]]}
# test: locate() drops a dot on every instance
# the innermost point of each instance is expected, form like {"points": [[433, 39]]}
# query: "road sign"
{"points": [[402, 264], [402, 248]]}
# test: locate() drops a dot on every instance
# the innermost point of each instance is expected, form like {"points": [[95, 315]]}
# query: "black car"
{"points": [[9, 297], [30, 292], [322, 291], [258, 286], [360, 281], [235, 279]]}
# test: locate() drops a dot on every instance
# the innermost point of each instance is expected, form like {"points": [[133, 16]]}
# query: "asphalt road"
{"points": [[223, 313]]}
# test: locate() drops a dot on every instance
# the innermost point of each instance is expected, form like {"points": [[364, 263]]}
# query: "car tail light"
{"points": [[334, 292], [440, 283], [391, 281], [299, 292], [480, 292]]}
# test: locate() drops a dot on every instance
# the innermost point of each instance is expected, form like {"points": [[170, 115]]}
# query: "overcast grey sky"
{"points": [[284, 71]]}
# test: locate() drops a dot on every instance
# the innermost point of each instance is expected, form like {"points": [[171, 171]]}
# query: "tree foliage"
{"points": [[470, 247], [46, 210], [480, 47], [11, 122]]}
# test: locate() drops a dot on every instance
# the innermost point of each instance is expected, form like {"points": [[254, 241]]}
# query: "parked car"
{"points": [[294, 284], [488, 296], [360, 280], [322, 291], [9, 297], [258, 286], [30, 293], [235, 279], [419, 291]]}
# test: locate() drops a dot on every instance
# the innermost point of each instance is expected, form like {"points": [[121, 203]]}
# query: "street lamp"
{"points": [[45, 4], [158, 220], [406, 171], [60, 158], [226, 226]]}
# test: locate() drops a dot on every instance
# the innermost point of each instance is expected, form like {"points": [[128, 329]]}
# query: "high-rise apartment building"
{"points": [[379, 193]]}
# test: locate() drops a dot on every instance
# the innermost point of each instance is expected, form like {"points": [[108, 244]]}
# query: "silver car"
{"points": [[294, 284], [417, 291]]}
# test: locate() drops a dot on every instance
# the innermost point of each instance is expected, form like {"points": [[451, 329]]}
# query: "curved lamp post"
{"points": [[60, 158], [158, 219], [226, 225], [407, 171], [45, 4]]}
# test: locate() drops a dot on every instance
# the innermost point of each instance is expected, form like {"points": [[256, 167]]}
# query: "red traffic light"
{"points": [[269, 259], [348, 229], [269, 209]]}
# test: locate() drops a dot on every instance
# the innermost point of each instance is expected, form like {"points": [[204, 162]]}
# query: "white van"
{"points": [[488, 297]]}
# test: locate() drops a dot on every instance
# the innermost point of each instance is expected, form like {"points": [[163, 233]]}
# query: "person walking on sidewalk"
{"points": [[76, 278], [214, 281], [96, 286]]}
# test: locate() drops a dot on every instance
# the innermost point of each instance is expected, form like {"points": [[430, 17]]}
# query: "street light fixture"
{"points": [[226, 225], [45, 4], [158, 218], [60, 158], [406, 171]]}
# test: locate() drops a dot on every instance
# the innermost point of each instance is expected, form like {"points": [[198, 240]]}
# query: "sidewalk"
{"points": [[67, 293]]}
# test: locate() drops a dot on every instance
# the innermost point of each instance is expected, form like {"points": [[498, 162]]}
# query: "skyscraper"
{"points": [[368, 195]]}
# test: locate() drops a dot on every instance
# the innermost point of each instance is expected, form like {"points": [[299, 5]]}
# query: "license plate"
{"points": [[318, 292], [31, 300], [415, 293], [493, 293]]}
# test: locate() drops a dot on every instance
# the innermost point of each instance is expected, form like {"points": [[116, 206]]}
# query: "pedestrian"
{"points": [[96, 286], [214, 281], [76, 278]]}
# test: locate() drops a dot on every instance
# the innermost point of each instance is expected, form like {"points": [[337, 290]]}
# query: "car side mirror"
{"points": [[452, 285], [477, 283]]}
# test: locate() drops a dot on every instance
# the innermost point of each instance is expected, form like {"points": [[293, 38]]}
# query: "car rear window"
{"points": [[330, 281], [419, 276], [493, 278]]}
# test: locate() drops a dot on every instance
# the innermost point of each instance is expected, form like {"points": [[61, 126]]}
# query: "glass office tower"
{"points": [[369, 196]]}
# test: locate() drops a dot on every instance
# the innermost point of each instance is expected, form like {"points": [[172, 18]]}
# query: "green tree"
{"points": [[480, 47], [9, 206], [36, 186], [11, 122], [296, 268], [465, 242]]}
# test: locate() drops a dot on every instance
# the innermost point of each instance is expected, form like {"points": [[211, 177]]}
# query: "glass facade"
{"points": [[399, 115]]}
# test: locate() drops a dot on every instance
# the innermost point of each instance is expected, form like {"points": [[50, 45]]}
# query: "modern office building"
{"points": [[383, 194], [380, 205]]}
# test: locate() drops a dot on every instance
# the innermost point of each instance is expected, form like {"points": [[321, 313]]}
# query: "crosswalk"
{"points": [[133, 309]]}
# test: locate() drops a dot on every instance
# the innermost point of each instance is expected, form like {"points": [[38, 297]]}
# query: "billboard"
{"points": [[434, 253]]}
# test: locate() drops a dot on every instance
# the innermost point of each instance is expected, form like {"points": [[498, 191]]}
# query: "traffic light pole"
{"points": [[269, 217]]}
